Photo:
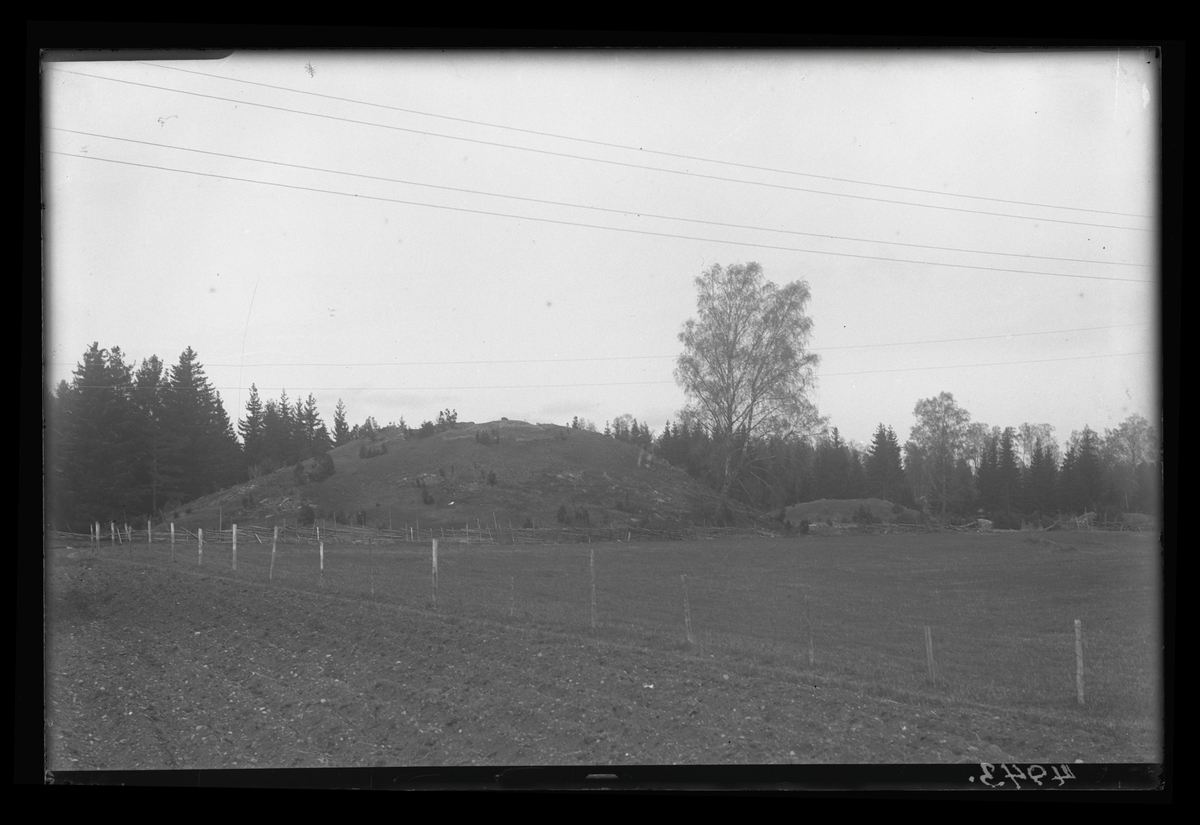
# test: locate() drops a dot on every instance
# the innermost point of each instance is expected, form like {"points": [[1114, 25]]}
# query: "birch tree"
{"points": [[746, 368]]}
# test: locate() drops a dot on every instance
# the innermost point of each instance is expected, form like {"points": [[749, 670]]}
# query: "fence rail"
{"points": [[344, 534], [502, 535]]}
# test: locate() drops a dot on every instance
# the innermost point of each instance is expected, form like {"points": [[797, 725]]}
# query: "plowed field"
{"points": [[154, 663]]}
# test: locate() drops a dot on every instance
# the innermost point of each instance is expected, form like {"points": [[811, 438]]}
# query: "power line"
{"points": [[596, 226], [639, 148], [548, 152], [624, 383], [627, 212], [643, 357], [399, 389], [981, 337], [991, 364]]}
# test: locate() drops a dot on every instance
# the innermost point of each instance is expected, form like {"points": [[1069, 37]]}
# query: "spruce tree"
{"points": [[252, 429], [1008, 474], [206, 454], [341, 430], [885, 474], [97, 449]]}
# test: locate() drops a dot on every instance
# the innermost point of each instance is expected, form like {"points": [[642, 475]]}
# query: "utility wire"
{"points": [[643, 357], [980, 337], [596, 226], [638, 383], [990, 364], [640, 149], [548, 152], [585, 206]]}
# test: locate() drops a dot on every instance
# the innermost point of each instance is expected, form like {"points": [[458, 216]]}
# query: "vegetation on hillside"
{"points": [[126, 445]]}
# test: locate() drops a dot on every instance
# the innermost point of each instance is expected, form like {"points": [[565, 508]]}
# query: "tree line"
{"points": [[949, 466], [130, 444]]}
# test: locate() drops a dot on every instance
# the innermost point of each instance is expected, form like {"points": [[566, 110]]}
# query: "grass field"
{"points": [[1000, 607]]}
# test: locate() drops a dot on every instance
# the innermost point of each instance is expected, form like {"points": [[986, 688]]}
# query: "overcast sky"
{"points": [[518, 233]]}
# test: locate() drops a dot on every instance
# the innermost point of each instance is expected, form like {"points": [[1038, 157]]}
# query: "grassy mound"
{"points": [[500, 472], [843, 510]]}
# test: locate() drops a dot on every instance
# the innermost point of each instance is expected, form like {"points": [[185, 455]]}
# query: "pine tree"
{"points": [[316, 436], [152, 476], [206, 455], [1008, 474], [885, 474], [341, 430], [253, 431], [987, 484], [1040, 494], [97, 439]]}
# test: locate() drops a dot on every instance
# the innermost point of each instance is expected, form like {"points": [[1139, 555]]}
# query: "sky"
{"points": [[518, 233]]}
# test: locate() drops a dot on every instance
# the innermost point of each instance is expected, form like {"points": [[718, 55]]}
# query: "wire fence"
{"points": [[893, 619], [496, 534]]}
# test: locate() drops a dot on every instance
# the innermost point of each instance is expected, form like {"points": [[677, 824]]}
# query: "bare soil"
{"points": [[154, 665]]}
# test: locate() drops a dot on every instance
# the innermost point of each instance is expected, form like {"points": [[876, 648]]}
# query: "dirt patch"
{"points": [[160, 666]]}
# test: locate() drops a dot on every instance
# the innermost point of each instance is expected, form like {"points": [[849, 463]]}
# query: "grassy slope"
{"points": [[536, 470], [843, 510]]}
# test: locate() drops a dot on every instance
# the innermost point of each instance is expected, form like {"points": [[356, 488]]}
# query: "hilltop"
{"points": [[523, 475], [845, 510]]}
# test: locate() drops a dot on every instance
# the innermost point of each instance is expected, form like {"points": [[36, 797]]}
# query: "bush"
{"points": [[492, 478], [1006, 520], [564, 515], [425, 497], [582, 517], [804, 527], [725, 515], [863, 515], [307, 516], [299, 476], [324, 468], [528, 525]]}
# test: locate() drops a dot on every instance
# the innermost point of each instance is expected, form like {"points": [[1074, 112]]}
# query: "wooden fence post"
{"points": [[149, 536], [1079, 660], [435, 573], [929, 654], [808, 621], [200, 542], [235, 548], [172, 541], [687, 611], [592, 567], [112, 529]]}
